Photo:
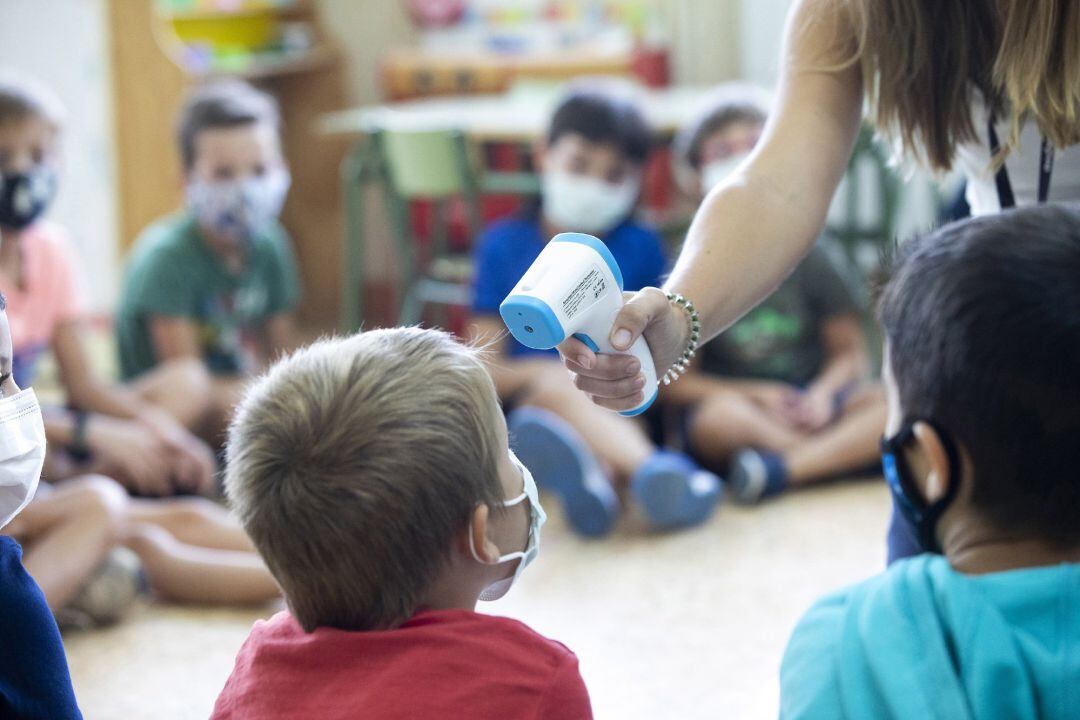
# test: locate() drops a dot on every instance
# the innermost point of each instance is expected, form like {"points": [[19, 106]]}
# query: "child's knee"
{"points": [[100, 497]]}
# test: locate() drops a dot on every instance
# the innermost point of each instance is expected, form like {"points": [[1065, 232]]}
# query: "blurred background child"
{"points": [[215, 284], [591, 164], [126, 431], [781, 397]]}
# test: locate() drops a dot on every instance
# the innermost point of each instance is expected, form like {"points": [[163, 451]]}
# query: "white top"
{"points": [[1022, 164]]}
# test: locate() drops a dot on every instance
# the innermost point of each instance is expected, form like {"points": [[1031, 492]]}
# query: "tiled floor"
{"points": [[688, 625]]}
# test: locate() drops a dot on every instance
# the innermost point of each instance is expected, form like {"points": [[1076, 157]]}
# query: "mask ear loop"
{"points": [[929, 513], [508, 556], [935, 510]]}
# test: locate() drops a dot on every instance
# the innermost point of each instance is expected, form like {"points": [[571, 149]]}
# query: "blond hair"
{"points": [[923, 60], [353, 463]]}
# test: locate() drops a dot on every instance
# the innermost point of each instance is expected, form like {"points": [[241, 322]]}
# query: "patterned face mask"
{"points": [[24, 197], [239, 209]]}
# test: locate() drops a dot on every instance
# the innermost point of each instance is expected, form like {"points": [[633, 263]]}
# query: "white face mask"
{"points": [[585, 204], [22, 452], [538, 517], [239, 209], [718, 170]]}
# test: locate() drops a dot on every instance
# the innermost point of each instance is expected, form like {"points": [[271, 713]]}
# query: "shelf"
{"points": [[297, 9], [316, 59]]}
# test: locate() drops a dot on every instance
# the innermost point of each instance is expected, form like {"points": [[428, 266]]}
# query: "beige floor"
{"points": [[688, 625]]}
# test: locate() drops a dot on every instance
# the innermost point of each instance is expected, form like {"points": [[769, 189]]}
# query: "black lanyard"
{"points": [[1004, 187]]}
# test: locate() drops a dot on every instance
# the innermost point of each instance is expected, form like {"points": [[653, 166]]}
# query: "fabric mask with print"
{"points": [[239, 209], [24, 197], [717, 171], [585, 204], [538, 517], [22, 452]]}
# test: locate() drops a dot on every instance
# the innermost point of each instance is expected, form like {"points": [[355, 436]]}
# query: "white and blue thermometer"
{"points": [[574, 288]]}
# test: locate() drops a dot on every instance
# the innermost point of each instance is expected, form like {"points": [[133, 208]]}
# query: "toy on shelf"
{"points": [[245, 37]]}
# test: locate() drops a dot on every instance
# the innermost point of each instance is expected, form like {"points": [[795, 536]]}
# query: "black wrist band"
{"points": [[78, 448]]}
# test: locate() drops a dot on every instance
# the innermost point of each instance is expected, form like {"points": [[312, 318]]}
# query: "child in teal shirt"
{"points": [[982, 324], [213, 287]]}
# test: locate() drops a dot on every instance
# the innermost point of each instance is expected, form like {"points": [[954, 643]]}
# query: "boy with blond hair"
{"points": [[374, 476]]}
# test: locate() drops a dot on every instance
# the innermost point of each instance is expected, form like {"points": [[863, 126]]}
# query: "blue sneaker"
{"points": [[562, 464], [674, 492], [756, 475]]}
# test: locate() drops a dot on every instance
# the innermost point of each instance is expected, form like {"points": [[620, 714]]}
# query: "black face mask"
{"points": [[922, 515], [25, 196]]}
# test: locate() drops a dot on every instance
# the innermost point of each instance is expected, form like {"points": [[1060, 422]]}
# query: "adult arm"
{"points": [[753, 229]]}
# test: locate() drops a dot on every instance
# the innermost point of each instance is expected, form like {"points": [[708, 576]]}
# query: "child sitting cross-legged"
{"points": [[982, 325], [591, 163], [374, 476]]}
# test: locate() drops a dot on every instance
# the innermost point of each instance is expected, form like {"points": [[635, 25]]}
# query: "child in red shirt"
{"points": [[374, 476]]}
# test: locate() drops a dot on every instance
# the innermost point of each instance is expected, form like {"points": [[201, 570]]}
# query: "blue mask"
{"points": [[922, 515]]}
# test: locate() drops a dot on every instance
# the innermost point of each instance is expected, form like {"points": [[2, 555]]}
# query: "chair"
{"points": [[435, 165]]}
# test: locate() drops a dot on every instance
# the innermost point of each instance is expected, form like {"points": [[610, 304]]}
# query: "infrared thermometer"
{"points": [[574, 288]]}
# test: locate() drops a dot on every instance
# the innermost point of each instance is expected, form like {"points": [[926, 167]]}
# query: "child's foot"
{"points": [[562, 464], [756, 475], [107, 595], [674, 492]]}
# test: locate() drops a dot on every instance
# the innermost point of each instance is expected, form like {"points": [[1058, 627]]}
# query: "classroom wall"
{"points": [[63, 43]]}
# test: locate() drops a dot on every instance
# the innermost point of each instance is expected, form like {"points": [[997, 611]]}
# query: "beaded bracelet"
{"points": [[680, 366]]}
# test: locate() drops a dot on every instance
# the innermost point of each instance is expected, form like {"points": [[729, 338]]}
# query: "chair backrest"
{"points": [[424, 164], [866, 203]]}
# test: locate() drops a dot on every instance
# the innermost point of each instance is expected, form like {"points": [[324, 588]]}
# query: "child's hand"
{"points": [[192, 460], [814, 410], [132, 454]]}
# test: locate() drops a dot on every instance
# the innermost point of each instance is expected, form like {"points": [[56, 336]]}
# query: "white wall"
{"points": [[64, 44]]}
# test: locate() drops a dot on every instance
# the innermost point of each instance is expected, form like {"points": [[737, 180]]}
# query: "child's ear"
{"points": [[935, 459], [487, 551]]}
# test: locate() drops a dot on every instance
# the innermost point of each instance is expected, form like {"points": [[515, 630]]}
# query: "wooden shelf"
{"points": [[317, 58]]}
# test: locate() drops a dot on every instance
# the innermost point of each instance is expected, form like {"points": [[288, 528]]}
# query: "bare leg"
{"points": [[850, 443], [67, 534], [729, 420], [193, 521], [188, 574], [619, 442]]}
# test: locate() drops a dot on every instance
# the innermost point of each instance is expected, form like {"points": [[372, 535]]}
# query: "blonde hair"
{"points": [[923, 60], [353, 463]]}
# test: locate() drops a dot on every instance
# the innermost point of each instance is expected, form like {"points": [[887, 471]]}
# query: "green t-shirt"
{"points": [[172, 272], [780, 339]]}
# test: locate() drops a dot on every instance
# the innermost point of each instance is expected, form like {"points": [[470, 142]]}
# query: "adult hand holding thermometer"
{"points": [[574, 287]]}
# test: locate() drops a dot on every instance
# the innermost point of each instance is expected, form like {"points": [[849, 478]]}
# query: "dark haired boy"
{"points": [[387, 505], [215, 282], [982, 325], [591, 165]]}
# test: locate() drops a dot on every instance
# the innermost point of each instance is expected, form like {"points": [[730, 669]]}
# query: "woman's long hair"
{"points": [[922, 61]]}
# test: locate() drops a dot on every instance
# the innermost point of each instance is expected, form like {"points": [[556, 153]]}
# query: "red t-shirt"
{"points": [[441, 664]]}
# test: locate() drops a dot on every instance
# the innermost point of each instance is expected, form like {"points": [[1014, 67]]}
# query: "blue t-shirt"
{"points": [[508, 247], [925, 641], [34, 678]]}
